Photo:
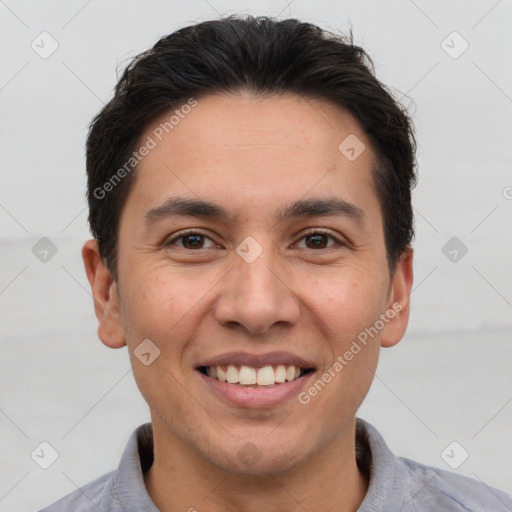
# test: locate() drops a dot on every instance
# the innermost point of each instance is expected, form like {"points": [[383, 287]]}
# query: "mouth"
{"points": [[255, 381], [254, 377]]}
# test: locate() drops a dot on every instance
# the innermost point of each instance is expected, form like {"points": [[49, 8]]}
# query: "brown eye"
{"points": [[192, 241], [318, 240]]}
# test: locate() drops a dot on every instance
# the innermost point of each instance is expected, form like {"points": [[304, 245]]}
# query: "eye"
{"points": [[191, 240], [195, 241], [319, 240]]}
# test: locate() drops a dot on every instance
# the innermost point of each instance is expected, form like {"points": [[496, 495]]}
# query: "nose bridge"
{"points": [[259, 276], [256, 284], [256, 296]]}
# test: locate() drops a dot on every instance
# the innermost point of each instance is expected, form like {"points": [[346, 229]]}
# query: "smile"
{"points": [[255, 381], [251, 376]]}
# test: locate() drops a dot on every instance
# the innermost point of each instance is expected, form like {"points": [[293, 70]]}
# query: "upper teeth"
{"points": [[247, 375]]}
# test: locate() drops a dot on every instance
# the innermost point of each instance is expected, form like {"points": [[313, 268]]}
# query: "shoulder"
{"points": [[86, 498], [430, 488], [397, 483], [122, 489]]}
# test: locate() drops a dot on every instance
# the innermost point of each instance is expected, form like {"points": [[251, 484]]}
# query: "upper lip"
{"points": [[257, 360]]}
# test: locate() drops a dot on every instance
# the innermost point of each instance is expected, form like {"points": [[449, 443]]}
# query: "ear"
{"points": [[106, 300], [399, 301]]}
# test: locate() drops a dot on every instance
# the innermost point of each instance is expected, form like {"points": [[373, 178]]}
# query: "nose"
{"points": [[256, 297]]}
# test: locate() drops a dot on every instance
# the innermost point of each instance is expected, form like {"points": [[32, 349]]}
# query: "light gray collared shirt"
{"points": [[396, 484]]}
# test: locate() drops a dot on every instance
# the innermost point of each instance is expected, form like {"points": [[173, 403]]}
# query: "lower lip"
{"points": [[254, 398]]}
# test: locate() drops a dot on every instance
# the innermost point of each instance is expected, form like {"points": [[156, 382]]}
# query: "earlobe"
{"points": [[399, 300], [106, 300]]}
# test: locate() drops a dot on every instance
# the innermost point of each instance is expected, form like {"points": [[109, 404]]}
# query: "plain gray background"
{"points": [[448, 380]]}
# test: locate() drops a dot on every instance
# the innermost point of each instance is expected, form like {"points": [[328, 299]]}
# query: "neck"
{"points": [[181, 479]]}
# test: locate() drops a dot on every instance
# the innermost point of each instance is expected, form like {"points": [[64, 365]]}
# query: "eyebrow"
{"points": [[181, 206]]}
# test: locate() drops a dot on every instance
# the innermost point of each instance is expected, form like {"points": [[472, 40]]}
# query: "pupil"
{"points": [[193, 241], [316, 241]]}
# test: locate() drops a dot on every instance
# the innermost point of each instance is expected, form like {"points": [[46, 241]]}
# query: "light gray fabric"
{"points": [[396, 484]]}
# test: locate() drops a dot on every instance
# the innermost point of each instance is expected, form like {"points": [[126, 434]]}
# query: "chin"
{"points": [[260, 456], [258, 465]]}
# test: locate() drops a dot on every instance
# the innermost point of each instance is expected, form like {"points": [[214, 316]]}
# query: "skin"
{"points": [[254, 156]]}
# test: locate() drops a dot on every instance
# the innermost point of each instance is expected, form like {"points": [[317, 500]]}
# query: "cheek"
{"points": [[155, 303], [345, 306], [346, 302], [166, 309], [160, 309]]}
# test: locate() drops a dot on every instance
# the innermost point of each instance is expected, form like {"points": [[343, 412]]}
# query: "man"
{"points": [[249, 188]]}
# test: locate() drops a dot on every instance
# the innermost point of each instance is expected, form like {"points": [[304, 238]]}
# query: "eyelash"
{"points": [[311, 232]]}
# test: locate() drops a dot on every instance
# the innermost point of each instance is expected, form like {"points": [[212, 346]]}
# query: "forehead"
{"points": [[244, 121], [251, 151]]}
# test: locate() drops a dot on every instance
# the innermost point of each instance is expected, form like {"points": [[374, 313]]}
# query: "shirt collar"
{"points": [[388, 478], [128, 488]]}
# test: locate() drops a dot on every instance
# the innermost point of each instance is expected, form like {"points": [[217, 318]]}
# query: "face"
{"points": [[251, 250]]}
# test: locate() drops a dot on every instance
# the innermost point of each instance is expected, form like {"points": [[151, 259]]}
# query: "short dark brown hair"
{"points": [[263, 56]]}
